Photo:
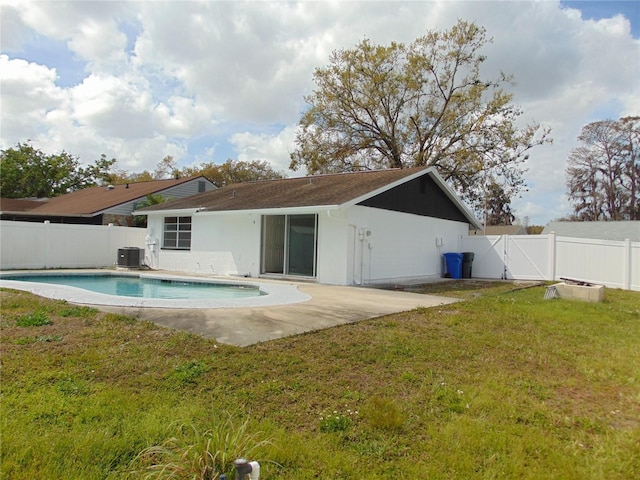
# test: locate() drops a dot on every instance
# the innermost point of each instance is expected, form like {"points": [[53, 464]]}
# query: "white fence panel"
{"points": [[22, 245], [597, 261], [547, 257], [27, 245], [529, 257], [489, 251], [633, 275]]}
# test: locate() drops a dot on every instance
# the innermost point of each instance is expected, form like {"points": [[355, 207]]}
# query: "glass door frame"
{"points": [[286, 246]]}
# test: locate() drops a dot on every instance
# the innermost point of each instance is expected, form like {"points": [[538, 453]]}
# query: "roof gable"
{"points": [[419, 196], [93, 200]]}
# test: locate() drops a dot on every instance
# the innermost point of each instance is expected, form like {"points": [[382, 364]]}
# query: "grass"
{"points": [[504, 385]]}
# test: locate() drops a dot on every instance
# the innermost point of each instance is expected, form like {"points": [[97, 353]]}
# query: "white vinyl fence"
{"points": [[614, 264], [27, 245]]}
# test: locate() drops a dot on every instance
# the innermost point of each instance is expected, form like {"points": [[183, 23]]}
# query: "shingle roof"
{"points": [[317, 190], [93, 200], [19, 204]]}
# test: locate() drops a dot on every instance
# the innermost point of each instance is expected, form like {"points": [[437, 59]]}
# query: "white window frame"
{"points": [[181, 227]]}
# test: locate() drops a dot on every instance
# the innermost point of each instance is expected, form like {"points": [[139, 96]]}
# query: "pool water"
{"points": [[141, 287]]}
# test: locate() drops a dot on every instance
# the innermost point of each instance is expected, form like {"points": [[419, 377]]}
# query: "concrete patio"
{"points": [[329, 306]]}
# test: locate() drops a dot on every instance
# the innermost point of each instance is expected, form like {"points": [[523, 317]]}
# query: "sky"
{"points": [[210, 81]]}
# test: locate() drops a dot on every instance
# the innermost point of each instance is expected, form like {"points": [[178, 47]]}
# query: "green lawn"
{"points": [[503, 385]]}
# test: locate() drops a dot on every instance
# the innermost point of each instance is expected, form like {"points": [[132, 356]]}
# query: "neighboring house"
{"points": [[103, 205], [500, 230], [352, 228], [18, 205], [618, 230]]}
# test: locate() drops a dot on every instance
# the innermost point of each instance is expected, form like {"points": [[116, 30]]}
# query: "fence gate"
{"points": [[510, 257], [526, 258]]}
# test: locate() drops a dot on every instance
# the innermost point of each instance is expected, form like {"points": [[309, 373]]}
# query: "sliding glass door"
{"points": [[273, 233], [289, 244]]}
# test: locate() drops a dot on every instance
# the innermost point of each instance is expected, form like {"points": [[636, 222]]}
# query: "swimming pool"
{"points": [[129, 289], [145, 287]]}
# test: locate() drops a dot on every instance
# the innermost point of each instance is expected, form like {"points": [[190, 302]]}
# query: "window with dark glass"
{"points": [[177, 233]]}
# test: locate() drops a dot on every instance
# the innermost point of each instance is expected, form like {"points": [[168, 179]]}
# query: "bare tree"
{"points": [[629, 130], [421, 104], [498, 205], [602, 173]]}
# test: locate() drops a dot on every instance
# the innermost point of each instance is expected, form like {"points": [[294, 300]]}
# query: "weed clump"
{"points": [[383, 413], [35, 319], [42, 338], [334, 423], [192, 453], [187, 373]]}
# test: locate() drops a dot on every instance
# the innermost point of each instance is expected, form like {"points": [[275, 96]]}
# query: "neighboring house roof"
{"points": [[322, 191], [618, 230], [501, 230], [94, 200], [19, 204]]}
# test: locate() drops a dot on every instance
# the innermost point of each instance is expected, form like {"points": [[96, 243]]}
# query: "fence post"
{"points": [[552, 256], [505, 256], [111, 246], [47, 243], [627, 265]]}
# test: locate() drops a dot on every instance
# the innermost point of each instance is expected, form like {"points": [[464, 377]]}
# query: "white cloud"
{"points": [[28, 93], [100, 43], [203, 80], [275, 149]]}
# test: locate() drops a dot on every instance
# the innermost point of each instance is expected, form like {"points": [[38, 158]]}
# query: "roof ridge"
{"points": [[323, 175], [360, 172], [149, 181]]}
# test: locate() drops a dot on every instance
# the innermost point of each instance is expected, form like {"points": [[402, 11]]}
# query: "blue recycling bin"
{"points": [[454, 264]]}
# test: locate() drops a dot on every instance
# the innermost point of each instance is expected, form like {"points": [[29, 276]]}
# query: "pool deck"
{"points": [[311, 307]]}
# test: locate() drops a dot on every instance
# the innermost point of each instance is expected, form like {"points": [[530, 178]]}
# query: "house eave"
{"points": [[202, 211], [177, 212], [51, 214]]}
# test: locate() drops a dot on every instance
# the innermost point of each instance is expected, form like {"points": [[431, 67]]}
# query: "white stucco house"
{"points": [[342, 229]]}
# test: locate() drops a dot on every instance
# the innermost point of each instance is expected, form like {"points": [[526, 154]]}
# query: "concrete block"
{"points": [[592, 293]]}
